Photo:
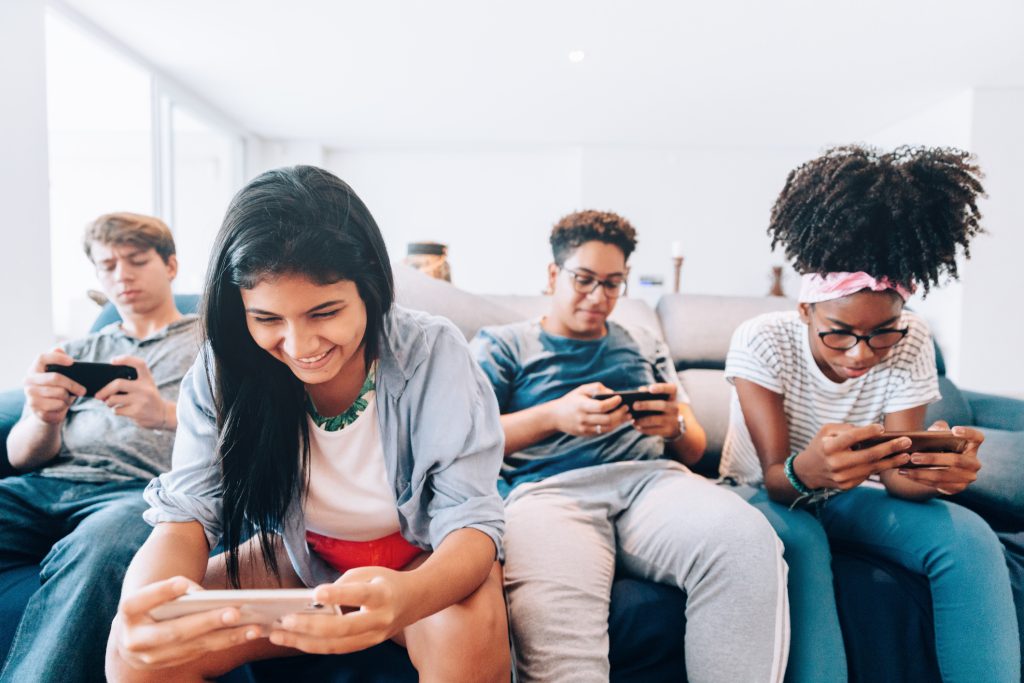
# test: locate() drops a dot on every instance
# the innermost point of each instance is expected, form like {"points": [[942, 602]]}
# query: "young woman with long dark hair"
{"points": [[327, 438]]}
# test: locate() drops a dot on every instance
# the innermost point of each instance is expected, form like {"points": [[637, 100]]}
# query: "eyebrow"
{"points": [[132, 254], [318, 307], [595, 274], [848, 326]]}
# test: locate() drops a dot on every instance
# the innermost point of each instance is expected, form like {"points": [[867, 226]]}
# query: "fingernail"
{"points": [[180, 586], [228, 616], [276, 638], [959, 431], [902, 471], [288, 622], [905, 443], [252, 634], [916, 459]]}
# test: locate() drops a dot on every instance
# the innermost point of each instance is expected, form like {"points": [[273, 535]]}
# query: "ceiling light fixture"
{"points": [[576, 56]]}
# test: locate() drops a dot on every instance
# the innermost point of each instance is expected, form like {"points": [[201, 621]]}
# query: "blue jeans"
{"points": [[975, 621], [816, 652], [83, 536]]}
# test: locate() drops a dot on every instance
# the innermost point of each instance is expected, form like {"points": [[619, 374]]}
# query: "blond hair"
{"points": [[136, 229]]}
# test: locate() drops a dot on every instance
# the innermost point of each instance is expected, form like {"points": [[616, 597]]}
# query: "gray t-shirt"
{"points": [[99, 446]]}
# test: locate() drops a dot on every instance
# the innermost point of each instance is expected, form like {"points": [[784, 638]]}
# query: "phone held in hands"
{"points": [[94, 376], [936, 441], [262, 606], [631, 397]]}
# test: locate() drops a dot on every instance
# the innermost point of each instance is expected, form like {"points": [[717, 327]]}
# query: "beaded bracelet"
{"points": [[793, 479]]}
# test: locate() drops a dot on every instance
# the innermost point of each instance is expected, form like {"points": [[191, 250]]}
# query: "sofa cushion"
{"points": [[468, 311], [952, 407], [709, 398], [698, 327]]}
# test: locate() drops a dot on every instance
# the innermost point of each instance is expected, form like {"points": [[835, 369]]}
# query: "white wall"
{"points": [[25, 256], [495, 208], [993, 292]]}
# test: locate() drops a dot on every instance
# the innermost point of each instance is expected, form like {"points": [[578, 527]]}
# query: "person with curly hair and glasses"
{"points": [[592, 487], [865, 229]]}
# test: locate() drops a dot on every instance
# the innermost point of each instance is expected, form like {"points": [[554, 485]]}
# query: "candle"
{"points": [[677, 249]]}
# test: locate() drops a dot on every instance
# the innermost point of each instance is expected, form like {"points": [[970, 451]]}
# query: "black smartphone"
{"points": [[631, 397], [932, 441], [94, 376]]}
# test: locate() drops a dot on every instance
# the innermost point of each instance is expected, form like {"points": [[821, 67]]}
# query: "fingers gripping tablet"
{"points": [[256, 606]]}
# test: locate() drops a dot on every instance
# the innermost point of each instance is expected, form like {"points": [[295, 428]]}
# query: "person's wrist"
{"points": [[796, 480], [680, 429]]}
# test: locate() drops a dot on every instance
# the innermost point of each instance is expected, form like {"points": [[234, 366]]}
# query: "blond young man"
{"points": [[76, 509]]}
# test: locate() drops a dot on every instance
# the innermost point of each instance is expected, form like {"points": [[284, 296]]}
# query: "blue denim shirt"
{"points": [[440, 430]]}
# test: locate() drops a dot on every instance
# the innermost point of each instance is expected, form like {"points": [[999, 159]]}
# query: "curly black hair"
{"points": [[587, 226], [900, 214]]}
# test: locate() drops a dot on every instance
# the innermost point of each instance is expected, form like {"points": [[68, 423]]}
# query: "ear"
{"points": [[172, 266], [805, 312], [553, 271]]}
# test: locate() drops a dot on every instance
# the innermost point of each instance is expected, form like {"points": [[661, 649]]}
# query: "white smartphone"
{"points": [[264, 606]]}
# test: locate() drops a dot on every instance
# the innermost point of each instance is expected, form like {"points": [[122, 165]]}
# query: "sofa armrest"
{"points": [[996, 412]]}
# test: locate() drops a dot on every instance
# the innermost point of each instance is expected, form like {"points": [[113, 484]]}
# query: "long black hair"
{"points": [[902, 215], [290, 221]]}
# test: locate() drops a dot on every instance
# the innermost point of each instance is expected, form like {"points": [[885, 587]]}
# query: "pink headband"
{"points": [[815, 288]]}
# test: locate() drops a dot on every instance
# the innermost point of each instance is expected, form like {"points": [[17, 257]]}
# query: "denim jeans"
{"points": [[83, 536], [975, 621]]}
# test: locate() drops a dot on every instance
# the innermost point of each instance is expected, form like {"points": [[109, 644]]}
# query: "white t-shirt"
{"points": [[773, 350], [350, 496]]}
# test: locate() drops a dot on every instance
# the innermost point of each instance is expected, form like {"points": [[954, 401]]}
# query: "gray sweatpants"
{"points": [[564, 535]]}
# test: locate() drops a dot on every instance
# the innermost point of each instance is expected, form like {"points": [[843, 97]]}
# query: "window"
{"points": [[101, 159], [122, 140]]}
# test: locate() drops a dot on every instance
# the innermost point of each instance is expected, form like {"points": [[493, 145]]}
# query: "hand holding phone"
{"points": [[581, 413], [93, 376], [144, 643], [49, 394], [264, 607], [932, 441], [629, 398]]}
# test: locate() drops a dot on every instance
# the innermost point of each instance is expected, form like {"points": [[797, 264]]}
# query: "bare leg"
{"points": [[465, 642]]}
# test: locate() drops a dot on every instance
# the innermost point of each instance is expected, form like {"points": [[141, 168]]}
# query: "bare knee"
{"points": [[467, 641]]}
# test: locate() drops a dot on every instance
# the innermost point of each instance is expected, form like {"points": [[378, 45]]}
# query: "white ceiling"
{"points": [[483, 72]]}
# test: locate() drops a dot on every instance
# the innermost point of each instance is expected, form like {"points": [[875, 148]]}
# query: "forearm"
{"points": [[454, 570], [32, 443], [778, 486], [173, 549], [527, 427]]}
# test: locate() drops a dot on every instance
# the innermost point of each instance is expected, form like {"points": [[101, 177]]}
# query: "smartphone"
{"points": [[94, 376], [263, 606], [920, 442], [631, 397]]}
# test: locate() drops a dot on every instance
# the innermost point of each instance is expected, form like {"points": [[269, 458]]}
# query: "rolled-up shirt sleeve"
{"points": [[192, 490], [459, 430]]}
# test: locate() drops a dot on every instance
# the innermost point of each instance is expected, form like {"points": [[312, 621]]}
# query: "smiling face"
{"points": [[316, 330], [579, 315], [863, 313], [135, 278]]}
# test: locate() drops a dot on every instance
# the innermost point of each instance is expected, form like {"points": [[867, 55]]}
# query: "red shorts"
{"points": [[393, 552]]}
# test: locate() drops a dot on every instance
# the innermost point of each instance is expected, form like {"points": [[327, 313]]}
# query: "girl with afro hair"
{"points": [[866, 229]]}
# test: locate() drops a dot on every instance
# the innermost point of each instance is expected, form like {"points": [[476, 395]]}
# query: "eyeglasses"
{"points": [[585, 283], [877, 340]]}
